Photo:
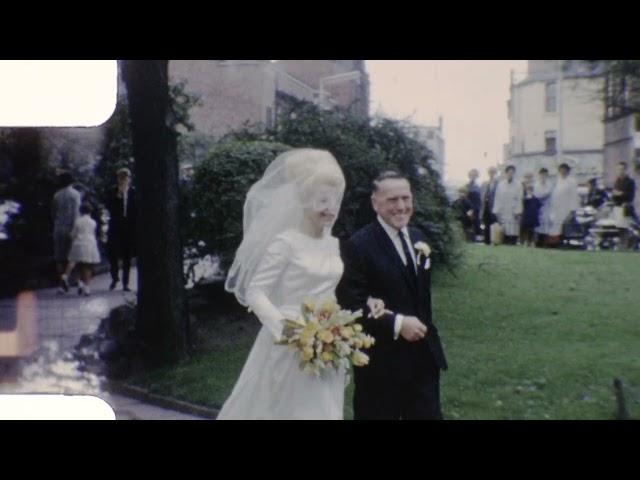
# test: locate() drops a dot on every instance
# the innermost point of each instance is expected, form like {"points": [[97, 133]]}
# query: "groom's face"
{"points": [[393, 201]]}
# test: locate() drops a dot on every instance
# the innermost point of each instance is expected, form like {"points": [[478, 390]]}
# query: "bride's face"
{"points": [[323, 205]]}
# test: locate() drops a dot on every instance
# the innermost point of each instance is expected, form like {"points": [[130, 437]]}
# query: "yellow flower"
{"points": [[357, 327], [358, 343], [307, 353], [308, 332], [305, 341], [327, 308], [326, 356], [308, 306], [367, 342], [326, 336], [347, 332], [359, 359]]}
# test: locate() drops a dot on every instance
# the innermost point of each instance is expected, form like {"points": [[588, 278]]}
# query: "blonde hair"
{"points": [[309, 168]]}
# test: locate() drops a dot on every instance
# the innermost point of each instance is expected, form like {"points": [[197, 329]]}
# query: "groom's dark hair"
{"points": [[386, 175]]}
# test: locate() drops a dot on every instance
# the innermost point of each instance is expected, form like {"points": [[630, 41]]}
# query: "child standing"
{"points": [[530, 214], [84, 249]]}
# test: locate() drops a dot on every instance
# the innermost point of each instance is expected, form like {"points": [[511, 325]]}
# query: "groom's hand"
{"points": [[412, 329], [376, 307]]}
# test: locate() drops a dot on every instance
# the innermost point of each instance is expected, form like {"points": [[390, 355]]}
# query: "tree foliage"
{"points": [[363, 148]]}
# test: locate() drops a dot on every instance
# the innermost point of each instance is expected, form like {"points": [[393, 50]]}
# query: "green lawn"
{"points": [[529, 334]]}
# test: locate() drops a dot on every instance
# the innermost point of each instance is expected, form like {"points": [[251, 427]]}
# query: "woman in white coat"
{"points": [[507, 206], [564, 200]]}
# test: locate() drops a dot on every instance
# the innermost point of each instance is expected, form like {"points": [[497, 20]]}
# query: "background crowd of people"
{"points": [[536, 211]]}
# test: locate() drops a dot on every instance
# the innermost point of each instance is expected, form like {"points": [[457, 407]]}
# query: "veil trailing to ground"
{"points": [[296, 180]]}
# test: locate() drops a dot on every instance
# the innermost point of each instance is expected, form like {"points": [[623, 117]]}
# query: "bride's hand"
{"points": [[288, 331], [376, 307]]}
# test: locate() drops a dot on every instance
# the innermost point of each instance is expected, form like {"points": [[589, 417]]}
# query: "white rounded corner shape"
{"points": [[54, 407], [57, 93]]}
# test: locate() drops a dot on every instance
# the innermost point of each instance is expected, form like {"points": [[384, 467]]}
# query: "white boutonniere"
{"points": [[423, 249]]}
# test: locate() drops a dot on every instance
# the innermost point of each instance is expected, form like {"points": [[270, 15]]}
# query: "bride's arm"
{"points": [[267, 274]]}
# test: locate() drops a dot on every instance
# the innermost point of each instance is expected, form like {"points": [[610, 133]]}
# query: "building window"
{"points": [[550, 142], [551, 101]]}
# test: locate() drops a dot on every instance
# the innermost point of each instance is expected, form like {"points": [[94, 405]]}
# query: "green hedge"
{"points": [[220, 184], [363, 149]]}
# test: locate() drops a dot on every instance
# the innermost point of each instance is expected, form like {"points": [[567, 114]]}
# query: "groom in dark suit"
{"points": [[402, 379]]}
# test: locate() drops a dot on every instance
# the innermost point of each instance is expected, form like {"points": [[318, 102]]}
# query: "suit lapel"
{"points": [[390, 249]]}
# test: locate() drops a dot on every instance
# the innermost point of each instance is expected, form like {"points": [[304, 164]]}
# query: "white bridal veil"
{"points": [[276, 203]]}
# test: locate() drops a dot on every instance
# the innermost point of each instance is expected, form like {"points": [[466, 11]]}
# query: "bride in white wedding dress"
{"points": [[287, 255]]}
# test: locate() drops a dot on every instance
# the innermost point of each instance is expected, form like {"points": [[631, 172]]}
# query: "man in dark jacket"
{"points": [[464, 212], [488, 191], [121, 203], [624, 193], [389, 260]]}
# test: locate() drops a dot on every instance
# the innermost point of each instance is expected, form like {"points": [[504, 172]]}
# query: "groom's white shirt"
{"points": [[395, 238]]}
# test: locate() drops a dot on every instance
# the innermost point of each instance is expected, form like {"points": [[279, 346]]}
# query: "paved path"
{"points": [[62, 320], [130, 409]]}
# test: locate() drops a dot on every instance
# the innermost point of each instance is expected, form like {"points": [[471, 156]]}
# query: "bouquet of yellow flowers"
{"points": [[326, 336]]}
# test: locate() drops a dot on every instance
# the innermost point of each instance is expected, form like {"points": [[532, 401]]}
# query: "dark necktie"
{"points": [[410, 264]]}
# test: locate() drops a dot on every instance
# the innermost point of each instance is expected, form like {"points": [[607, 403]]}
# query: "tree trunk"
{"points": [[28, 162], [162, 317]]}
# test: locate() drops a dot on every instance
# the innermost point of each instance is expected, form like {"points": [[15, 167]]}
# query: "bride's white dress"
{"points": [[294, 268]]}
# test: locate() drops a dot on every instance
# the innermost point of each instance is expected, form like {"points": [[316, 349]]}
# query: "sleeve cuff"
{"points": [[397, 326]]}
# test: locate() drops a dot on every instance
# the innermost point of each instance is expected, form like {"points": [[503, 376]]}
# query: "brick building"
{"points": [[249, 92]]}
